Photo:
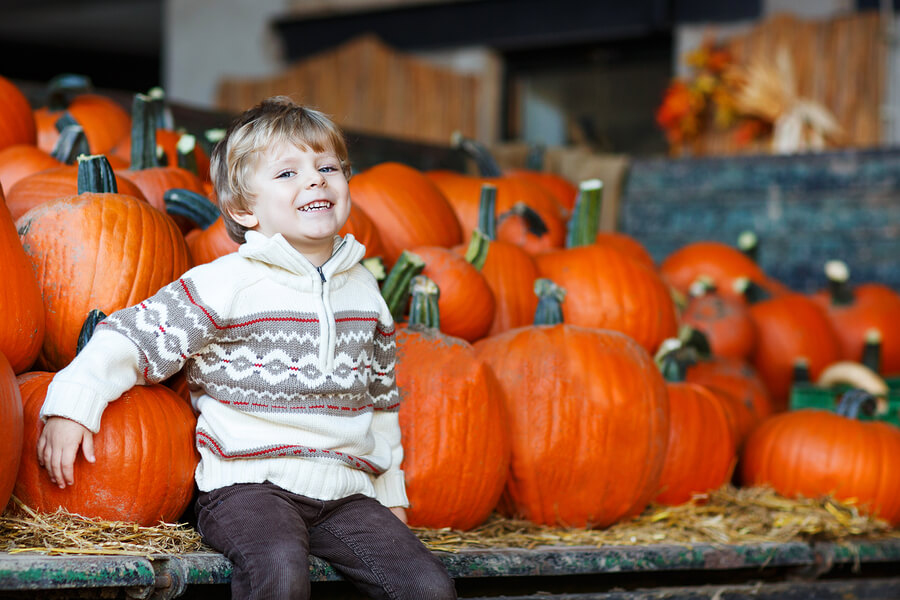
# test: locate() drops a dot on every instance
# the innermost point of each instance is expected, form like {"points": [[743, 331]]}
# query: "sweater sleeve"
{"points": [[390, 487], [105, 369]]}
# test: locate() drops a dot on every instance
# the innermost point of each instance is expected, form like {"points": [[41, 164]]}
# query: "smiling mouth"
{"points": [[317, 205]]}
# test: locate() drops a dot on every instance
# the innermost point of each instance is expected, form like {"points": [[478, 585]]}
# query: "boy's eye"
{"points": [[328, 169], [284, 174]]}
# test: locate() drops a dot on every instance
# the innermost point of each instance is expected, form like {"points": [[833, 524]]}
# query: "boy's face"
{"points": [[300, 194]]}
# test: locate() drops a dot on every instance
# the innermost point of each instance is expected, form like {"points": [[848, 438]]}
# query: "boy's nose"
{"points": [[317, 180]]}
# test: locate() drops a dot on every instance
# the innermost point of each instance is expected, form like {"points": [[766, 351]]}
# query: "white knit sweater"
{"points": [[291, 370]]}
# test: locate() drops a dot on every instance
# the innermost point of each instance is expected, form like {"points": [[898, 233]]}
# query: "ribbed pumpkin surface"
{"points": [[22, 326], [590, 421], [105, 251], [455, 432], [155, 181], [145, 454], [811, 453], [608, 289], [406, 207], [701, 450], [16, 117], [11, 424]]}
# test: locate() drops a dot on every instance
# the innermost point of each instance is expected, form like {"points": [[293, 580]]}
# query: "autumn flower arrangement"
{"points": [[708, 98]]}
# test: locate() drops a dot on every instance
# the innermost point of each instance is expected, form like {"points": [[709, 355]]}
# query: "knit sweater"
{"points": [[290, 366]]}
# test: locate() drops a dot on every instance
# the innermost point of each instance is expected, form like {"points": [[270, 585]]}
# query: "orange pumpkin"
{"points": [[12, 426], [406, 207], [854, 311], [576, 397], [364, 230], [22, 326], [16, 118], [558, 186], [811, 453], [453, 423], [466, 302], [96, 250], [738, 379], [724, 320], [145, 458], [701, 450]]}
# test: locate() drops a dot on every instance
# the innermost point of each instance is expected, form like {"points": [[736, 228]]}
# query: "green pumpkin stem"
{"points": [[143, 133], [70, 144], [477, 252], [534, 223], [87, 328], [674, 357], [838, 275], [95, 175], [193, 206], [423, 308], [585, 221], [748, 243], [187, 155], [487, 165], [800, 371], [871, 354], [63, 86], [534, 161], [856, 401], [487, 211], [695, 339], [750, 290], [395, 289], [375, 266], [550, 299]]}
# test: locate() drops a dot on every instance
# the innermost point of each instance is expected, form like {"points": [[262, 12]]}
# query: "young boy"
{"points": [[289, 352]]}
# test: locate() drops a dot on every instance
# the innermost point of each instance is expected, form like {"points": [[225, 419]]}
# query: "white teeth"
{"points": [[316, 205]]}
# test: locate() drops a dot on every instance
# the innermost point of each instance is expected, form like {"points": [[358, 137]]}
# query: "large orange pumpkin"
{"points": [[16, 118], [145, 458], [11, 424], [96, 250], [589, 416], [812, 453], [406, 207], [22, 326], [455, 434]]}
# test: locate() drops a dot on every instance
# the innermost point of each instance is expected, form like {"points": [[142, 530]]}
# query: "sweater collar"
{"points": [[277, 251]]}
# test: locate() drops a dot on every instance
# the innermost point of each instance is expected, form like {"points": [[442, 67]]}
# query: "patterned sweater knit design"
{"points": [[291, 369]]}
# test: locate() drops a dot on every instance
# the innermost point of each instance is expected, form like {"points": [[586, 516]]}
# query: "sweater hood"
{"points": [[277, 251]]}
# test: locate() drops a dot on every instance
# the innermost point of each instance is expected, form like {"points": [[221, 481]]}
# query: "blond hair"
{"points": [[235, 157]]}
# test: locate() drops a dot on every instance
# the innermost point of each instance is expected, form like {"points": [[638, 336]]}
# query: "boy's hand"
{"points": [[399, 512], [58, 446]]}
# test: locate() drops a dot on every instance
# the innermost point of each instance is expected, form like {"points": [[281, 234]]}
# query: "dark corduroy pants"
{"points": [[268, 533]]}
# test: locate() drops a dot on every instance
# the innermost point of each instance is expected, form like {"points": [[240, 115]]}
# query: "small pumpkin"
{"points": [[145, 458], [811, 453], [22, 160], [724, 320]]}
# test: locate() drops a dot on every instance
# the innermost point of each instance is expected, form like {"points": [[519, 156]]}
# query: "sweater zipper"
{"points": [[329, 325]]}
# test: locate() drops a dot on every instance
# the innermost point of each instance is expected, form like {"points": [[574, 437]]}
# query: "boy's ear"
{"points": [[245, 219]]}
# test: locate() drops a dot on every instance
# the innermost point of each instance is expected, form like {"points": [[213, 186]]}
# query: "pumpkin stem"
{"points": [[585, 221], [535, 159], [871, 354], [477, 252], [748, 243], [95, 175], [703, 285], [61, 87], [673, 358], [395, 289], [838, 275], [487, 211], [87, 328], [423, 308], [533, 221], [856, 401], [486, 163], [162, 116], [70, 144], [550, 299], [750, 290], [187, 156], [193, 206], [143, 133], [696, 340], [375, 266], [800, 373]]}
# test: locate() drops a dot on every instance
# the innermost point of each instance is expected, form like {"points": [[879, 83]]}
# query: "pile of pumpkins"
{"points": [[550, 371]]}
